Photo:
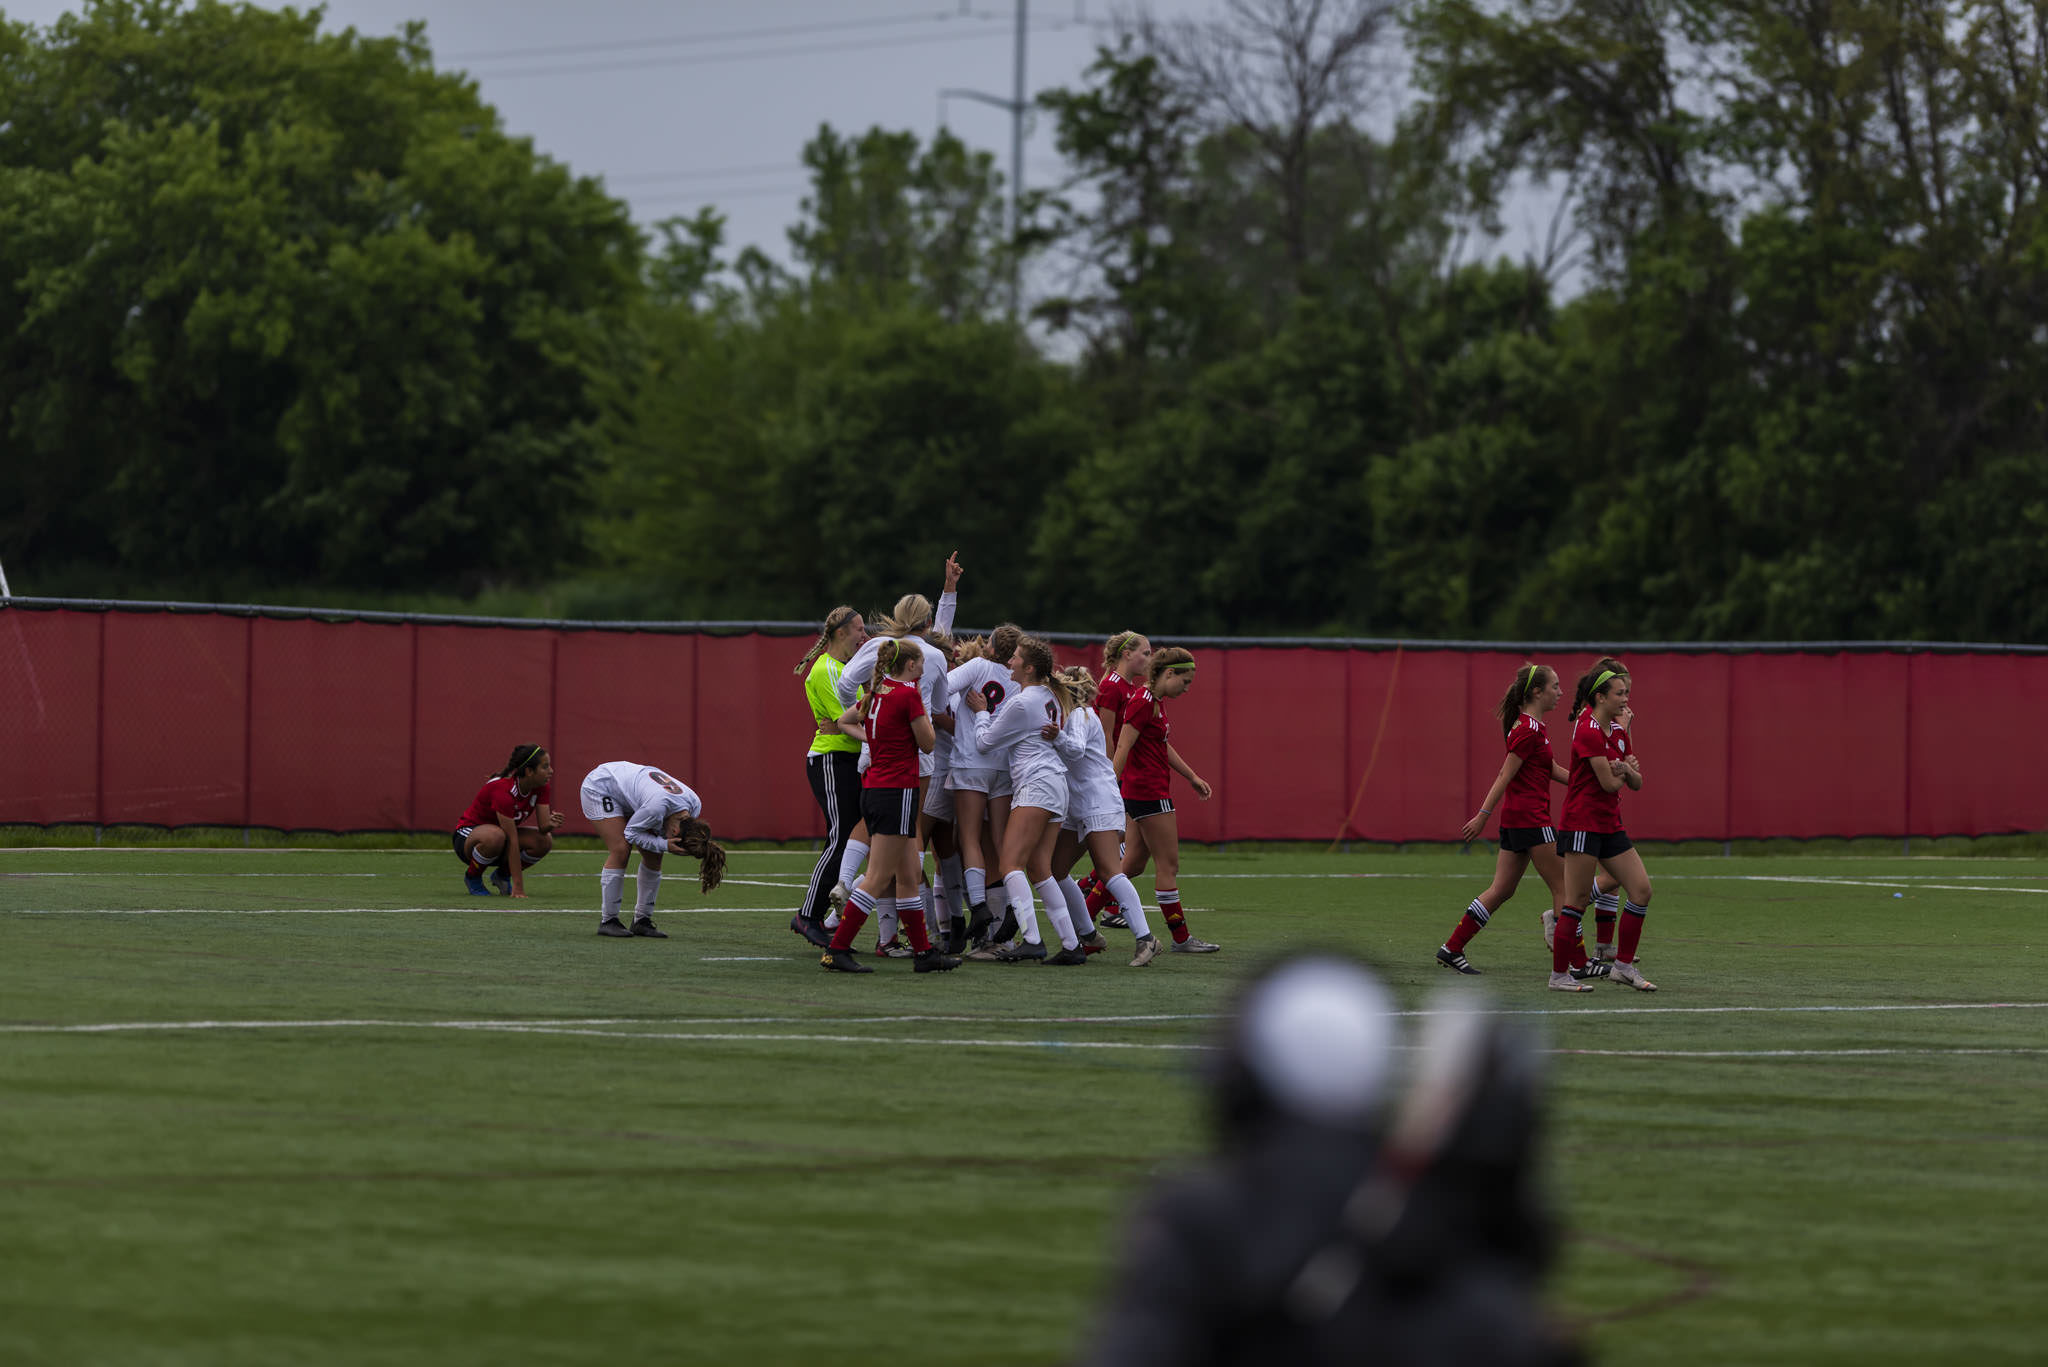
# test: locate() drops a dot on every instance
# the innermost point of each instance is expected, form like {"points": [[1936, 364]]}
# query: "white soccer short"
{"points": [[602, 799], [1087, 823], [1046, 794], [938, 802], [994, 782]]}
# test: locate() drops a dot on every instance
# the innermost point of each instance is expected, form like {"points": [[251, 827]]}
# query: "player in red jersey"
{"points": [[1522, 793], [1125, 657], [897, 728], [1607, 887], [1145, 764], [491, 827], [1592, 834]]}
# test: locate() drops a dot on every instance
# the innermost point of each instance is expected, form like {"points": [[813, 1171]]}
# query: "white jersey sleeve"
{"points": [[858, 671], [942, 620], [1073, 738]]}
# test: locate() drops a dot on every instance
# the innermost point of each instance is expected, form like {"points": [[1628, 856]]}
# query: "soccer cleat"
{"points": [[1549, 929], [644, 927], [502, 882], [1021, 952], [1566, 982], [1148, 950], [1631, 976], [811, 930], [956, 937], [1093, 942], [1591, 971], [842, 961], [1450, 958], [1194, 945], [1602, 954], [978, 922], [610, 926], [835, 900], [894, 949], [1068, 958], [1114, 921], [983, 953], [475, 883], [931, 961]]}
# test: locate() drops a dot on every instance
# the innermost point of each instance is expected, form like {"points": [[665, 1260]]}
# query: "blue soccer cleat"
{"points": [[475, 883]]}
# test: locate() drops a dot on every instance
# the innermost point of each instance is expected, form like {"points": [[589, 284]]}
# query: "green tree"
{"points": [[284, 298]]}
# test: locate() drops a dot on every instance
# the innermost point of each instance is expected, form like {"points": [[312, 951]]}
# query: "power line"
{"points": [[758, 54], [692, 39], [766, 168]]}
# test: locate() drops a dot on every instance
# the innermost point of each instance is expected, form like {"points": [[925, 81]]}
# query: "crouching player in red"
{"points": [[1592, 834], [898, 730], [491, 828], [1522, 792]]}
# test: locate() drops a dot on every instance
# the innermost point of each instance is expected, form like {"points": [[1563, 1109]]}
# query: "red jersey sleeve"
{"points": [[1138, 708], [1531, 744]]}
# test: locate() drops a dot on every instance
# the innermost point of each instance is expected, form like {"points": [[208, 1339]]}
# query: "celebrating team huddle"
{"points": [[993, 758]]}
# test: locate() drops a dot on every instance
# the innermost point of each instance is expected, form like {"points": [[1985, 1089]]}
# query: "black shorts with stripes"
{"points": [[889, 811]]}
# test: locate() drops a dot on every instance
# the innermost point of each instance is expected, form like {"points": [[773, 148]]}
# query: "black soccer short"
{"points": [[1137, 809], [461, 839], [889, 811], [1599, 844], [1522, 839]]}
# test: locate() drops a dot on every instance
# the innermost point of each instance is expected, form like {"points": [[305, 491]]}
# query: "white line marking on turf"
{"points": [[1776, 1052], [361, 911], [354, 1023], [744, 959]]}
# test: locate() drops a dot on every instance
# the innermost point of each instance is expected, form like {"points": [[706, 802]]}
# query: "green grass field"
{"points": [[262, 1107]]}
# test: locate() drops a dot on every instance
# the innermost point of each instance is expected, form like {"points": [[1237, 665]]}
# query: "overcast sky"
{"points": [[682, 103]]}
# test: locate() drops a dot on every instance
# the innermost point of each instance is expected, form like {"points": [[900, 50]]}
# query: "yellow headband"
{"points": [[1606, 675]]}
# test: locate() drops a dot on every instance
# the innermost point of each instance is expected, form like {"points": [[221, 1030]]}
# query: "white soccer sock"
{"points": [[611, 890], [953, 885], [1607, 901], [931, 907], [527, 859], [649, 882], [1077, 906], [976, 882], [885, 919], [850, 862], [1126, 894], [1018, 887], [1056, 912]]}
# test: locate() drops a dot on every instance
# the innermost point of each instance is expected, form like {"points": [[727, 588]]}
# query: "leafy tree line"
{"points": [[284, 298]]}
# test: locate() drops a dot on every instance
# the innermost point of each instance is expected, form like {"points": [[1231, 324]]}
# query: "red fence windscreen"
{"points": [[229, 719]]}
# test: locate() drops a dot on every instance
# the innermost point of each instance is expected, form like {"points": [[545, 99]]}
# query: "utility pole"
{"points": [[1018, 106]]}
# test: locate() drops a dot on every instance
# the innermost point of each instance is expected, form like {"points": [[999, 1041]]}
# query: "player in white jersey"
{"points": [[638, 807], [980, 783], [1023, 732], [1094, 822]]}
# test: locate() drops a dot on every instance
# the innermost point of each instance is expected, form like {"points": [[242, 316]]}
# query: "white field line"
{"points": [[1780, 1052], [550, 1023], [791, 882], [366, 911], [490, 910], [440, 851], [912, 1040]]}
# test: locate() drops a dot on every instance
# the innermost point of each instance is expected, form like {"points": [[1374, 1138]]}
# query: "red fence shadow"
{"points": [[200, 718]]}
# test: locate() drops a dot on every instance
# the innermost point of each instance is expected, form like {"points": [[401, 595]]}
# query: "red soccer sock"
{"points": [[1169, 907], [850, 922], [1603, 927], [1468, 926], [914, 927], [1631, 933], [1565, 948]]}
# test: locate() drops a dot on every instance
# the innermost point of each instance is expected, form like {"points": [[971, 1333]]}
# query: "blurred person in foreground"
{"points": [[1339, 1222]]}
